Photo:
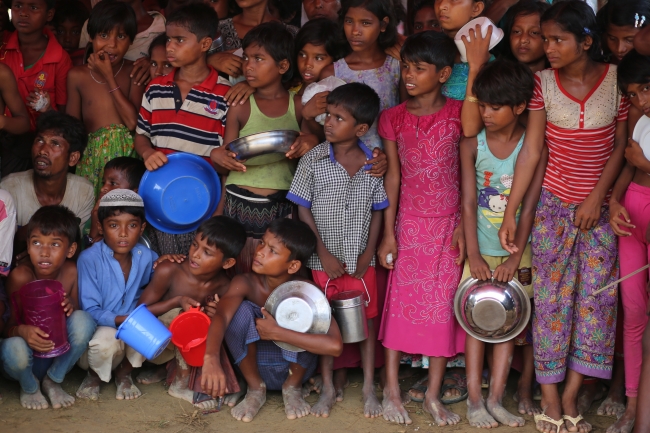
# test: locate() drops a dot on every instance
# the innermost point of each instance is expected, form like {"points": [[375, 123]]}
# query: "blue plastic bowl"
{"points": [[181, 194], [144, 332]]}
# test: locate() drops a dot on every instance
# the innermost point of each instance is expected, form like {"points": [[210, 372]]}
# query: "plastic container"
{"points": [[189, 333], [144, 332], [485, 23], [40, 305], [181, 194]]}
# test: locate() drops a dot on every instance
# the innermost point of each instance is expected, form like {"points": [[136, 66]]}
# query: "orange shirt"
{"points": [[49, 73]]}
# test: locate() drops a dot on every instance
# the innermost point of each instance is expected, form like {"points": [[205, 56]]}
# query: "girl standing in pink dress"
{"points": [[421, 139]]}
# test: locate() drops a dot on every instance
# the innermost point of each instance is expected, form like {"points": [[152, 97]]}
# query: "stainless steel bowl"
{"points": [[491, 311], [301, 307], [252, 147], [217, 43]]}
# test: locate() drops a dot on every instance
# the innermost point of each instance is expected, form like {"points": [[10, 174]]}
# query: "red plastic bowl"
{"points": [[189, 333]]}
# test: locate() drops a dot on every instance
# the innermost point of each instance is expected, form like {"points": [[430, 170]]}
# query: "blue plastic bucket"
{"points": [[144, 332]]}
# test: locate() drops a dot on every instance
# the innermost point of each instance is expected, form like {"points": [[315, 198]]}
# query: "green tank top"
{"points": [[273, 171]]}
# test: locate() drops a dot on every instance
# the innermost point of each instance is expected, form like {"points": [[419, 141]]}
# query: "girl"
{"points": [[619, 23], [370, 28], [422, 17], [487, 166], [524, 33], [577, 112], [629, 218], [423, 246], [158, 57]]}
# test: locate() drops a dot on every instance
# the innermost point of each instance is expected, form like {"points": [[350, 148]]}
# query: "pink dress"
{"points": [[418, 313]]}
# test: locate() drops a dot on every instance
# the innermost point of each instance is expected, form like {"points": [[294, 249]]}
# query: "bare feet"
{"points": [[34, 401], [500, 414], [525, 403], [232, 399], [478, 416], [58, 397], [340, 382], [89, 388], [393, 409], [589, 393], [152, 376], [252, 403], [614, 404], [326, 401], [126, 389], [441, 415], [624, 424], [179, 389], [295, 405], [371, 405]]}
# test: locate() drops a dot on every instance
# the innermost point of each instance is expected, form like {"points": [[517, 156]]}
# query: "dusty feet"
{"points": [[313, 384], [58, 397], [614, 404], [252, 403], [89, 388], [525, 404], [295, 405], [589, 393], [500, 414], [326, 401], [371, 405], [179, 389], [232, 399], [34, 401], [441, 415], [126, 389], [624, 424], [478, 416], [152, 376], [340, 382], [393, 409]]}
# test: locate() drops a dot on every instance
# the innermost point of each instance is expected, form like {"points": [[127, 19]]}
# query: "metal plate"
{"points": [[301, 307], [263, 143], [491, 311]]}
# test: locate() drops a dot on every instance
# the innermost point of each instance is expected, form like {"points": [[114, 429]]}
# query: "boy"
{"points": [[52, 232], [285, 247], [68, 20], [487, 166], [112, 276], [40, 66], [342, 204], [102, 94], [196, 92], [177, 287]]}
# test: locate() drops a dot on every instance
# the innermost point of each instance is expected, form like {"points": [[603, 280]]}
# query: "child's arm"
{"points": [[477, 265], [226, 160], [618, 215], [363, 261], [478, 54], [332, 265], [153, 159], [391, 185], [158, 287], [18, 123], [306, 141], [73, 107], [90, 293]]}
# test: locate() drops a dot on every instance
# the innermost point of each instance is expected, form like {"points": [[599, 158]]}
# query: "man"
{"points": [[313, 9]]}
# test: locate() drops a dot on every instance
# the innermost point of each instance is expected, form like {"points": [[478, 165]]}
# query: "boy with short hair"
{"points": [[284, 249], [342, 204], [200, 280], [102, 93], [112, 276], [197, 93], [52, 233], [69, 18]]}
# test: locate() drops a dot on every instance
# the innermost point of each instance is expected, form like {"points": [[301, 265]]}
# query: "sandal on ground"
{"points": [[573, 420], [420, 387], [543, 417], [460, 385]]}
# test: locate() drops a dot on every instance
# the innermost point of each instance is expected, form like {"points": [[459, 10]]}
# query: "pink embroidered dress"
{"points": [[418, 314]]}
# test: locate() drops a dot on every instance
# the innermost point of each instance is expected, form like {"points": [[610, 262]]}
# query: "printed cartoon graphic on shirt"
{"points": [[493, 199], [41, 80]]}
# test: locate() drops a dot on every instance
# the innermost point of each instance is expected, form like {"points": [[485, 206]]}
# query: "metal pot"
{"points": [[263, 143], [217, 44], [492, 311]]}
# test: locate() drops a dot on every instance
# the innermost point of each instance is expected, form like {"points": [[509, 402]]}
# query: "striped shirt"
{"points": [[195, 125], [579, 134]]}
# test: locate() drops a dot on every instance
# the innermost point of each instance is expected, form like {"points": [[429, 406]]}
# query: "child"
{"points": [[255, 192], [102, 94], [523, 31], [122, 172], [423, 178], [69, 18], [487, 166], [284, 249], [52, 233], [619, 23], [422, 17], [177, 287], [330, 178], [160, 66], [196, 91], [628, 218], [40, 66], [585, 157], [112, 275]]}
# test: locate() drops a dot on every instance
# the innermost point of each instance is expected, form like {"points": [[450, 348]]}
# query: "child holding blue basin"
{"points": [[112, 276]]}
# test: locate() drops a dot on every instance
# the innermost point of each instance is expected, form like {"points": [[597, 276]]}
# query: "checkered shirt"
{"points": [[342, 206]]}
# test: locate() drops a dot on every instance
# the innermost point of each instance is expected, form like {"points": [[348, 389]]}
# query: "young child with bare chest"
{"points": [[102, 94]]}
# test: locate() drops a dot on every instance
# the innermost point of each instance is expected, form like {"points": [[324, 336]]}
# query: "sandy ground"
{"points": [[156, 411]]}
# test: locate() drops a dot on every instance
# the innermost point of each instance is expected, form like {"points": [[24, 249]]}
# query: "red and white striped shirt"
{"points": [[579, 134]]}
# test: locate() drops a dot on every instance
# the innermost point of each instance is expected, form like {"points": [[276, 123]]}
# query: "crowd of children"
{"points": [[526, 160]]}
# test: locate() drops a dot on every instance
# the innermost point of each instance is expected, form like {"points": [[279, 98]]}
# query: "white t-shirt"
{"points": [[79, 196]]}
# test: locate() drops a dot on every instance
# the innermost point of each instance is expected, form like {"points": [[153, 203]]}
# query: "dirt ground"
{"points": [[156, 411]]}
